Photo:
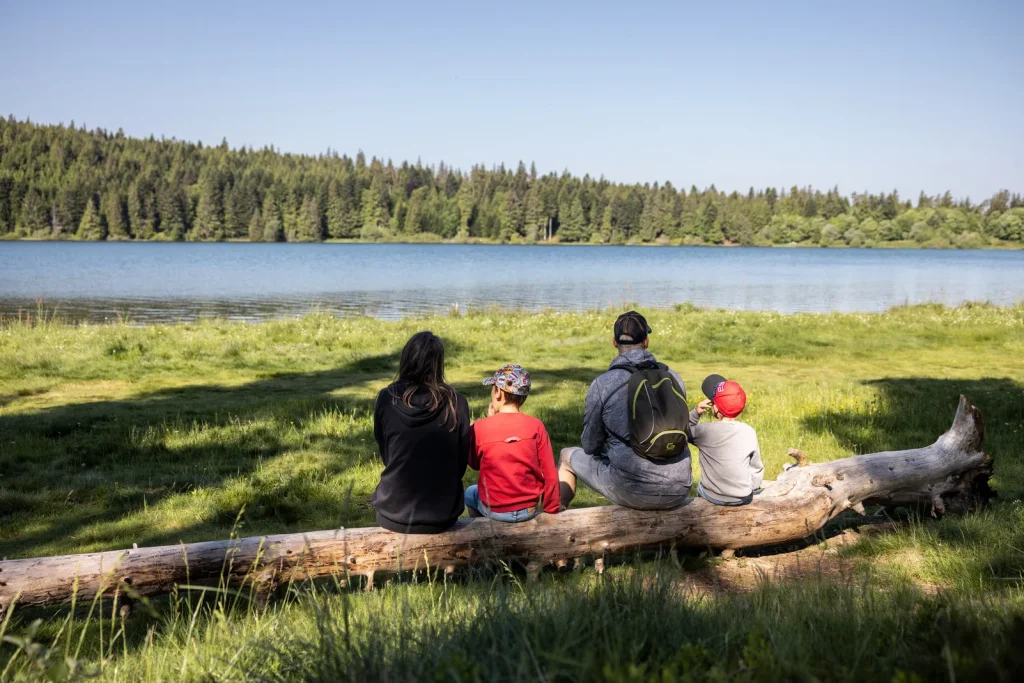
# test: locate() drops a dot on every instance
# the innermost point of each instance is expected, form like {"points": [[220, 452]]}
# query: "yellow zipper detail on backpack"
{"points": [[637, 393], [661, 434], [672, 387]]}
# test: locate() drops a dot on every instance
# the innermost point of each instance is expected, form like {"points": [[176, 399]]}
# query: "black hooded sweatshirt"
{"points": [[420, 490]]}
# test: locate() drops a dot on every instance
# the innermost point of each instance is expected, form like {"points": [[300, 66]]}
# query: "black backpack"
{"points": [[656, 410]]}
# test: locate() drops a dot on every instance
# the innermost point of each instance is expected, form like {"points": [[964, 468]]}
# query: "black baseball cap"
{"points": [[710, 383], [631, 328]]}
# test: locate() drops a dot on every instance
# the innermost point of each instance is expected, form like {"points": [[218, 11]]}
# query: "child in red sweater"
{"points": [[518, 478]]}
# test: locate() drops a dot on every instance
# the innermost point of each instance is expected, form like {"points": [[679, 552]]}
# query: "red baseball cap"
{"points": [[729, 398]]}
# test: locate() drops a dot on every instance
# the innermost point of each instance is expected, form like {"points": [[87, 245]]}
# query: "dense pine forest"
{"points": [[64, 182]]}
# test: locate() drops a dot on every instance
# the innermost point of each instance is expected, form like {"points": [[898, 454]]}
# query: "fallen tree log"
{"points": [[953, 471]]}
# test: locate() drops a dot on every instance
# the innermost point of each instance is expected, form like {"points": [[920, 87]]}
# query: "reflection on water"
{"points": [[148, 282]]}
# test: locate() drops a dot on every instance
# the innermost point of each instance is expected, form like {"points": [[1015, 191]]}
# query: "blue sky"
{"points": [[867, 95]]}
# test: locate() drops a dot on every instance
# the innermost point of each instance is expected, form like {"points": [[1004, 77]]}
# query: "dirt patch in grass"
{"points": [[823, 561]]}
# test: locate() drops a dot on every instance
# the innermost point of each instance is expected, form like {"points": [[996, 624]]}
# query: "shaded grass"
{"points": [[633, 630], [112, 435], [625, 626]]}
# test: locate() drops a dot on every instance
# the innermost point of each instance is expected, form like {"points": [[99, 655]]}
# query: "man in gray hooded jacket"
{"points": [[605, 462]]}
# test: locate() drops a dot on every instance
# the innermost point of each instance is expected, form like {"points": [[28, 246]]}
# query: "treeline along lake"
{"points": [[64, 182]]}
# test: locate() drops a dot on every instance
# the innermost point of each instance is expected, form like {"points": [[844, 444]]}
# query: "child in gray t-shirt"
{"points": [[731, 470]]}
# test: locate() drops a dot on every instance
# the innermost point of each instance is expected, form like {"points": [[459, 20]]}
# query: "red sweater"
{"points": [[513, 454]]}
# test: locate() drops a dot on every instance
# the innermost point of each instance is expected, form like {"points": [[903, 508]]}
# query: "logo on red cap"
{"points": [[730, 399]]}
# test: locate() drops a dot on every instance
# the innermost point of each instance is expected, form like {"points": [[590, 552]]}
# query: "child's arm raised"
{"points": [[702, 407], [694, 431]]}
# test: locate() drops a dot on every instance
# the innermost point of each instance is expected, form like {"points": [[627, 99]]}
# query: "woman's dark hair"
{"points": [[422, 367]]}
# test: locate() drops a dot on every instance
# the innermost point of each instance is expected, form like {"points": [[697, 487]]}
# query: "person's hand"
{"points": [[703, 407]]}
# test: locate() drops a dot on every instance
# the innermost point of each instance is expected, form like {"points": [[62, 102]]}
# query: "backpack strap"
{"points": [[630, 369]]}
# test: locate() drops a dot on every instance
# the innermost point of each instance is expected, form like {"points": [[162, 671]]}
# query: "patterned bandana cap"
{"points": [[513, 379]]}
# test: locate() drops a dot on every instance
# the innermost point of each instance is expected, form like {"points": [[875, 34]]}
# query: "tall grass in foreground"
{"points": [[627, 626]]}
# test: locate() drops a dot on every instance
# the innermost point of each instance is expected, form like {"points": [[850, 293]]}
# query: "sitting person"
{"points": [[513, 453], [423, 431], [605, 461], [731, 471]]}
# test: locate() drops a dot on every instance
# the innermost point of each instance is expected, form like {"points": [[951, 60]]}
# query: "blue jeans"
{"points": [[473, 501], [703, 494]]}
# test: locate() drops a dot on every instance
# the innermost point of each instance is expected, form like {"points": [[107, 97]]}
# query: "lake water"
{"points": [[150, 282]]}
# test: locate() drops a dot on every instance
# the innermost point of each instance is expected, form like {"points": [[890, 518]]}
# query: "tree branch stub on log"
{"points": [[951, 472]]}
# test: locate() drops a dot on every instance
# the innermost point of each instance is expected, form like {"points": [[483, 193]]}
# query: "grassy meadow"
{"points": [[112, 435]]}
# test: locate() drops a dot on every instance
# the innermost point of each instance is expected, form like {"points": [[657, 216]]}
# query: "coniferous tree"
{"points": [[135, 219], [142, 214], [572, 230], [513, 219], [649, 219], [113, 212], [532, 220], [232, 227], [256, 227], [67, 210], [416, 210], [711, 226], [351, 217], [290, 217], [34, 219], [309, 226], [171, 211], [335, 211], [91, 226], [467, 206], [375, 214], [243, 203], [273, 230], [6, 210], [606, 229], [209, 221]]}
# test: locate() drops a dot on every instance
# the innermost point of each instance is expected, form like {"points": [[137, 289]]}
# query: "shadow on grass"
{"points": [[77, 471], [648, 628], [986, 546], [913, 412], [72, 467]]}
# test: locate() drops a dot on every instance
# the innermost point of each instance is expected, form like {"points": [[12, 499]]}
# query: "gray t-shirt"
{"points": [[606, 419], [730, 458]]}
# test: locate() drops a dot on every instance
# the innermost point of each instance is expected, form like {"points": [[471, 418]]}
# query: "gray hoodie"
{"points": [[606, 414], [730, 458]]}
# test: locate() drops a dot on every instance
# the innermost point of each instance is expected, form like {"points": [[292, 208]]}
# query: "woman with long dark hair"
{"points": [[422, 429]]}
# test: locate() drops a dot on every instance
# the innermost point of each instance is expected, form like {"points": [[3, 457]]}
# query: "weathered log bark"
{"points": [[952, 471]]}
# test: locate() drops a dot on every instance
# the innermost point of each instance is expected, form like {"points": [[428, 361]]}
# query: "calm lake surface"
{"points": [[150, 282]]}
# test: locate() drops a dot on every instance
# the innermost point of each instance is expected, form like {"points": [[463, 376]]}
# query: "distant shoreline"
{"points": [[1001, 245]]}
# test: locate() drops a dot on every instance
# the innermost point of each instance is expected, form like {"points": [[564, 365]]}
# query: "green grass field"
{"points": [[113, 435]]}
